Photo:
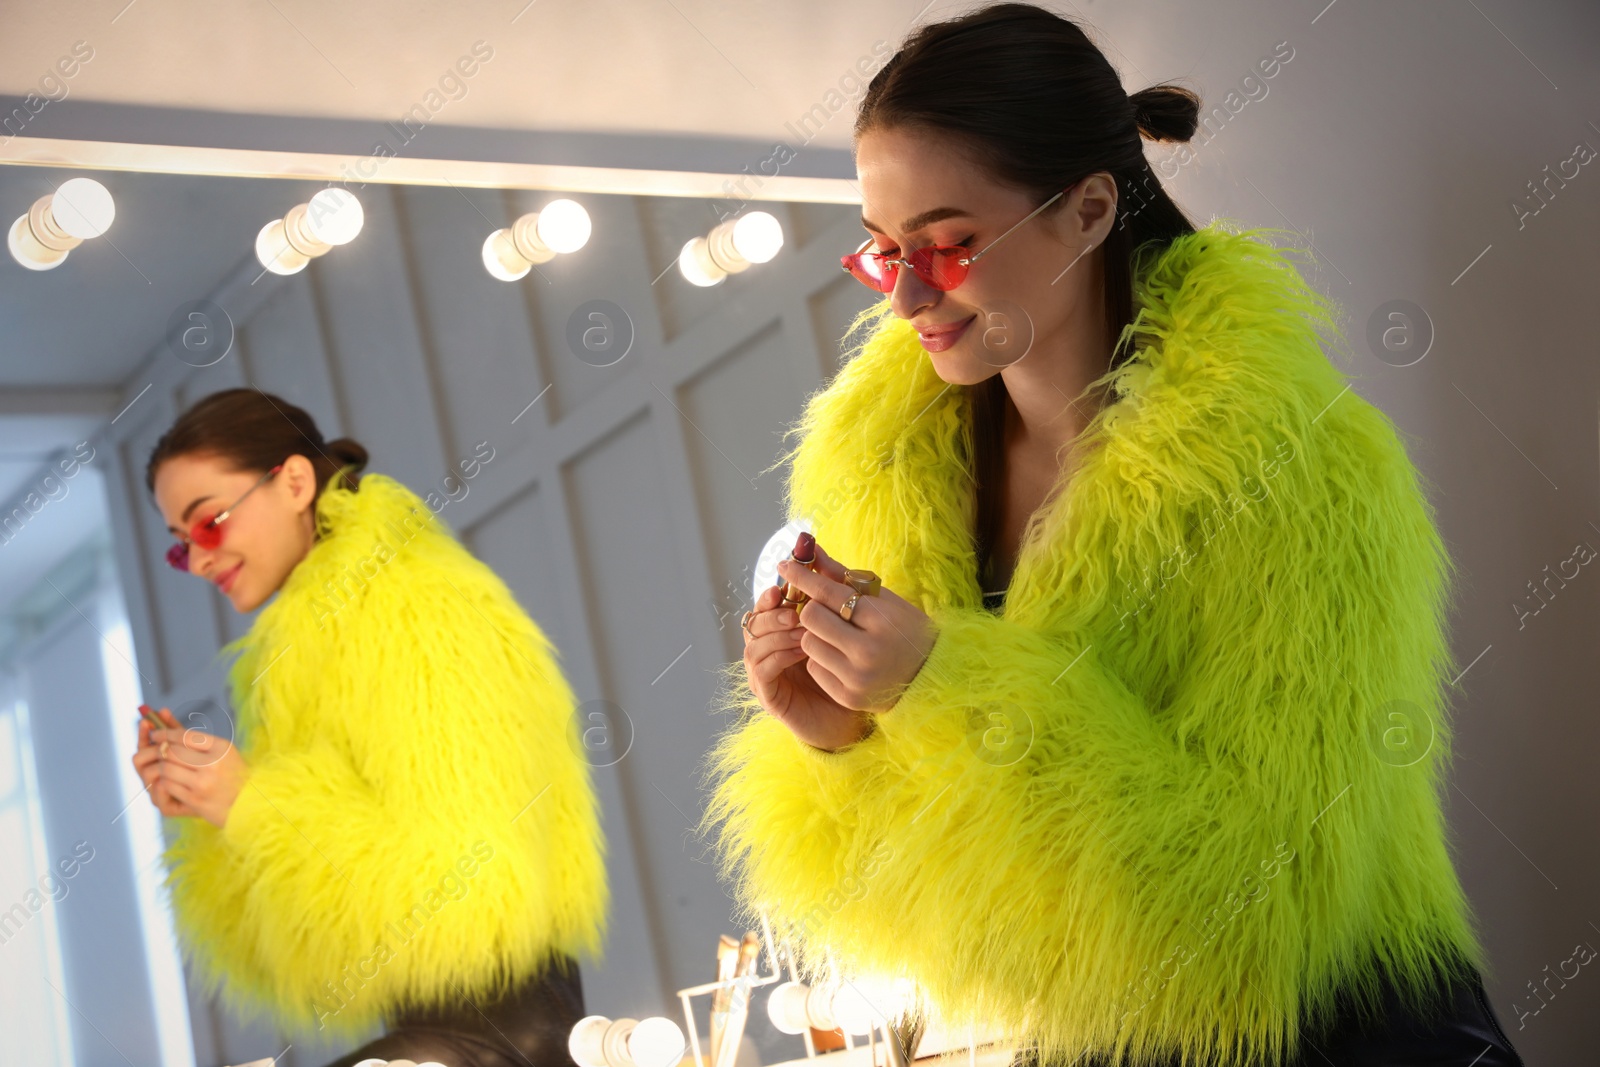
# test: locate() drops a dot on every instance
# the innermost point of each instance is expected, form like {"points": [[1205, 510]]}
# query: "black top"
{"points": [[994, 601]]}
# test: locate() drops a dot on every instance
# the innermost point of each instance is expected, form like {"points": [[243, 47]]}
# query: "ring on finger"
{"points": [[745, 622], [849, 607], [863, 581]]}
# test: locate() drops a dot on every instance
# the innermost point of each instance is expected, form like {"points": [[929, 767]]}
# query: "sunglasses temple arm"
{"points": [[984, 251]]}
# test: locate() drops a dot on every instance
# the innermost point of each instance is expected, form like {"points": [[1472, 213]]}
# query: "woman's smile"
{"points": [[937, 338]]}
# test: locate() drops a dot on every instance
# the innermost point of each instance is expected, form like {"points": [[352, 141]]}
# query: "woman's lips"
{"points": [[939, 338], [226, 579]]}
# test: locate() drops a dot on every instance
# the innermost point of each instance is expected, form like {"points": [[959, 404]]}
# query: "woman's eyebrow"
{"points": [[192, 505], [917, 222]]}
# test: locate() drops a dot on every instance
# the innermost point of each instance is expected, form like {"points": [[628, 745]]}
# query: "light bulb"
{"points": [[501, 258], [586, 1042], [852, 1010], [564, 225], [28, 251], [656, 1042], [334, 216], [786, 1007], [757, 236], [695, 263], [276, 253], [83, 208]]}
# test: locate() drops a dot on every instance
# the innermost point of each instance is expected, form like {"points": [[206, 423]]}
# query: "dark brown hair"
{"points": [[1032, 100], [255, 431]]}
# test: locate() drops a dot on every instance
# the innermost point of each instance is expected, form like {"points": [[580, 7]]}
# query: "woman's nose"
{"points": [[911, 294]]}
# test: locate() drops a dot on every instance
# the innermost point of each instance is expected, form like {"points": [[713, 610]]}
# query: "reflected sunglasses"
{"points": [[942, 267], [207, 530]]}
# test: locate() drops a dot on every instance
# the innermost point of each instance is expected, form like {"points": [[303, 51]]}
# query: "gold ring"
{"points": [[849, 607], [864, 582], [745, 622]]}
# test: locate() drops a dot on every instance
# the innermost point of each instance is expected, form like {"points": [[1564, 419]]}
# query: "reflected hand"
{"points": [[202, 771], [145, 764]]}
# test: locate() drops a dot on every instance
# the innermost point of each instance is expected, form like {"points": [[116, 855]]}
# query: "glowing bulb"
{"points": [[656, 1042], [275, 252], [501, 258], [28, 251], [695, 263], [786, 1007], [334, 216], [586, 1042], [852, 1010], [564, 225], [757, 236], [83, 208]]}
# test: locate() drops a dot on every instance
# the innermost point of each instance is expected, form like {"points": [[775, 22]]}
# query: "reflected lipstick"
{"points": [[805, 554]]}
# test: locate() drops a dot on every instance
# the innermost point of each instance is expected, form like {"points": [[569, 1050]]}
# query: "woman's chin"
{"points": [[956, 368], [243, 600]]}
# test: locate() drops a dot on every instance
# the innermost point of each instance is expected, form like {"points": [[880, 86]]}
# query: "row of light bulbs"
{"points": [[82, 208], [598, 1041]]}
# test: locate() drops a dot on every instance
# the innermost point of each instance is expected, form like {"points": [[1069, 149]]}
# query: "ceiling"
{"points": [[661, 68]]}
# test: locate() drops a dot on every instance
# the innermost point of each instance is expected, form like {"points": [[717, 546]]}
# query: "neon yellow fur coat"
{"points": [[1186, 784], [418, 821]]}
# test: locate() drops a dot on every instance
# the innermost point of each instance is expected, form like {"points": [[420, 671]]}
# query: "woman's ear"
{"points": [[301, 479]]}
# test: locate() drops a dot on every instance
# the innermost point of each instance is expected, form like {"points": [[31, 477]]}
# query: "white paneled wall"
{"points": [[624, 504]]}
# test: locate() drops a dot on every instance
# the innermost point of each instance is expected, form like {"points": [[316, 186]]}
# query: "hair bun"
{"points": [[1166, 112], [348, 452]]}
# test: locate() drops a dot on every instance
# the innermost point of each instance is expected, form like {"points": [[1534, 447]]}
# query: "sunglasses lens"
{"points": [[870, 270], [178, 557], [940, 267], [206, 533]]}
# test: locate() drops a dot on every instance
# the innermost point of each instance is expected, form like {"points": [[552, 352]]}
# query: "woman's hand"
{"points": [[146, 760], [824, 677], [201, 771]]}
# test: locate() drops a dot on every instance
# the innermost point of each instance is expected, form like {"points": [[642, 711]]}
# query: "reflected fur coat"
{"points": [[1186, 785], [418, 821]]}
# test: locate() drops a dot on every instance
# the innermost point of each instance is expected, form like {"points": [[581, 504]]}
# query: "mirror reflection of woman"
{"points": [[1109, 766], [403, 830]]}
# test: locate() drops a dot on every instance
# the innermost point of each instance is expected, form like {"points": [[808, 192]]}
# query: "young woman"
{"points": [[405, 830], [1134, 756]]}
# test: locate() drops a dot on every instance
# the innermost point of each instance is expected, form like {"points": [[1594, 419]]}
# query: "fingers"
{"points": [[174, 773], [183, 794], [827, 655], [829, 683], [774, 621], [764, 670], [819, 587], [191, 740], [829, 566]]}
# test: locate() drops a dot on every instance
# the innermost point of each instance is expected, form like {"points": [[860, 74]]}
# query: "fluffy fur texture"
{"points": [[418, 821], [1187, 784]]}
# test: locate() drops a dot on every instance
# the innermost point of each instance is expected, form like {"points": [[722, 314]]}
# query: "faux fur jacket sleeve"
{"points": [[418, 821], [1186, 785]]}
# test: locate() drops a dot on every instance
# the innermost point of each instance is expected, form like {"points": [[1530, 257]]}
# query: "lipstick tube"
{"points": [[805, 554]]}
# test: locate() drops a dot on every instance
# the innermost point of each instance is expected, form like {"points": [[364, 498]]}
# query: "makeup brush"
{"points": [[739, 1006], [727, 963]]}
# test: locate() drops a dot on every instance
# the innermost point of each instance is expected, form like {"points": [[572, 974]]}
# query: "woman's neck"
{"points": [[1046, 408]]}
